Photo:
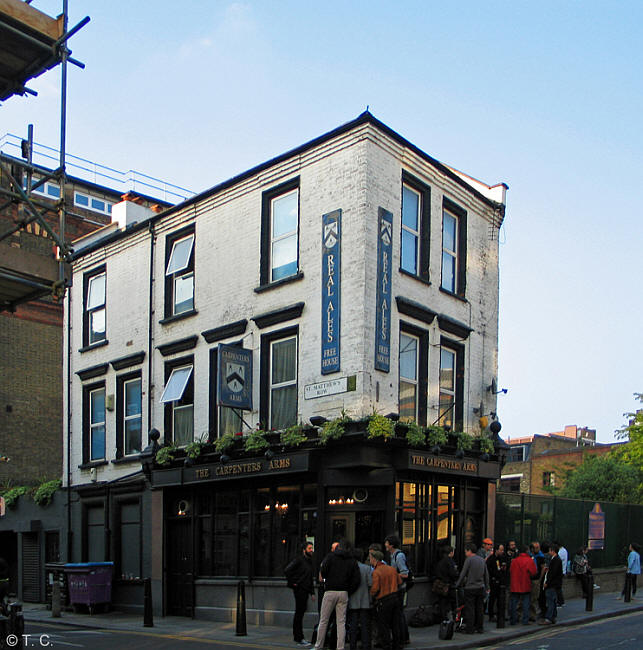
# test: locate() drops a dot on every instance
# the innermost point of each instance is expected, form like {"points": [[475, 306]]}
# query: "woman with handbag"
{"points": [[446, 574]]}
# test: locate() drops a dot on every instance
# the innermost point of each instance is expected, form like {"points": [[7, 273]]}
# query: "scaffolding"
{"points": [[31, 43]]}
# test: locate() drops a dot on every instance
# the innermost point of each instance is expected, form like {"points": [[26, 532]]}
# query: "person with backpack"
{"points": [[299, 573], [341, 577], [398, 561]]}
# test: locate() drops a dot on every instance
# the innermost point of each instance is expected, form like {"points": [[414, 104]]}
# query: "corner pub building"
{"points": [[350, 276]]}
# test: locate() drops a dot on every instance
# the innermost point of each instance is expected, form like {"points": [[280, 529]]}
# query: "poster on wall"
{"points": [[331, 292], [596, 528], [383, 300]]}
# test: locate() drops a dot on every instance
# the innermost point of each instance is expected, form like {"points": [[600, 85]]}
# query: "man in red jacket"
{"points": [[521, 571]]}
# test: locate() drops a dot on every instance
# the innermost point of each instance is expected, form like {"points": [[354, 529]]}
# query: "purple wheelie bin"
{"points": [[90, 584]]}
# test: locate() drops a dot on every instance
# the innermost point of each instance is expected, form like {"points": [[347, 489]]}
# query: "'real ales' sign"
{"points": [[383, 292], [433, 463], [331, 292]]}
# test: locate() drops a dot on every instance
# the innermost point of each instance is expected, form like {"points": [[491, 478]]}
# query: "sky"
{"points": [[544, 96]]}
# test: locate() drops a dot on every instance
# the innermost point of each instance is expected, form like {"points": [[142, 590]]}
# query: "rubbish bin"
{"points": [[90, 584]]}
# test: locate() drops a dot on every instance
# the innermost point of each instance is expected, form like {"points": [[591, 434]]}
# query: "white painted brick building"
{"points": [[358, 168]]}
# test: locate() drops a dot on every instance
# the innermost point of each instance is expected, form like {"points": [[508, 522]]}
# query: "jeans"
{"points": [[359, 620], [301, 603], [338, 601], [513, 604], [387, 612], [552, 597], [474, 609]]}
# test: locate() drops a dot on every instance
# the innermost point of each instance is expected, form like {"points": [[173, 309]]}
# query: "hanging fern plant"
{"points": [[415, 435], [380, 427]]}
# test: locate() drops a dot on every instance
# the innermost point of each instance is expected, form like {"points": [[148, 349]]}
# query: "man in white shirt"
{"points": [[564, 558]]}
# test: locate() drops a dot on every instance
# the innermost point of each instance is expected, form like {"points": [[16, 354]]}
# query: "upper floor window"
{"points": [[223, 419], [549, 479], [408, 377], [97, 424], [454, 244], [280, 232], [48, 189], [131, 414], [447, 387], [94, 314], [178, 397], [283, 383], [416, 201], [517, 454], [92, 203], [179, 275]]}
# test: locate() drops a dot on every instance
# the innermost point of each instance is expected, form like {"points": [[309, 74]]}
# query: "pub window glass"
{"points": [[225, 533], [285, 525], [95, 534], [244, 533], [204, 537], [130, 532], [262, 532]]}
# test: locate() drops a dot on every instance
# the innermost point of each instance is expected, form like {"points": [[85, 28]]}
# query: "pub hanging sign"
{"points": [[234, 386], [331, 292], [383, 305]]}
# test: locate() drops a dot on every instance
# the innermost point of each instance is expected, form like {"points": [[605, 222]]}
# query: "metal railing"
{"points": [[121, 181]]}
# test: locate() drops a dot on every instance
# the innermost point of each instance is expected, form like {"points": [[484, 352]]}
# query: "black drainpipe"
{"points": [[69, 528], [149, 329]]}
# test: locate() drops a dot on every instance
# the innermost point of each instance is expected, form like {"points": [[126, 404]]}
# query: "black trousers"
{"points": [[301, 602], [474, 609], [494, 597], [387, 611]]}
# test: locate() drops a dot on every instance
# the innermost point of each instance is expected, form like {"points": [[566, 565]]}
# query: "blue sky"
{"points": [[545, 96]]}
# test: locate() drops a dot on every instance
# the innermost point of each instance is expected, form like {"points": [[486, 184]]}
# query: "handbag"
{"points": [[440, 588], [446, 629]]}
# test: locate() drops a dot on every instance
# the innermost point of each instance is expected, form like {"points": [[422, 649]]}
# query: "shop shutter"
{"points": [[30, 568]]}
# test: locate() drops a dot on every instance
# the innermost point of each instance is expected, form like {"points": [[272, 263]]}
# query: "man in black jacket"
{"points": [[341, 577], [552, 583], [300, 579]]}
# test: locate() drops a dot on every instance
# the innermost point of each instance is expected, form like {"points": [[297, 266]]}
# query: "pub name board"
{"points": [[441, 464], [243, 468]]}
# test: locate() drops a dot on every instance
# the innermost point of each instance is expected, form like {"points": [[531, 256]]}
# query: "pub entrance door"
{"points": [[361, 527], [180, 567]]}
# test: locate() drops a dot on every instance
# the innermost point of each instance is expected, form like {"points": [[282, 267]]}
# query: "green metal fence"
{"points": [[528, 517]]}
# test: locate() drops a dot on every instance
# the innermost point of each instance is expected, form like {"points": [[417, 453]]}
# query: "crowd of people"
{"points": [[364, 596], [358, 592]]}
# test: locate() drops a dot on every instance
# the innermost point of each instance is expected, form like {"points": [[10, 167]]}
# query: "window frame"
{"points": [[121, 417], [108, 204], [459, 252], [267, 200], [458, 383], [422, 368], [183, 273], [266, 386], [88, 426], [423, 233], [187, 397], [408, 380], [88, 313]]}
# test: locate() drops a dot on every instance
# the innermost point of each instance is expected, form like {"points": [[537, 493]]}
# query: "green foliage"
{"points": [[463, 440], [380, 427], [436, 435], [603, 478], [332, 430], [45, 491], [256, 441], [193, 449], [415, 435], [12, 494], [225, 442], [486, 444], [293, 436], [165, 455]]}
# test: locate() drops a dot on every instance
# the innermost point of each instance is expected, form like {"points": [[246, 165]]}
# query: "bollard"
{"points": [[501, 606], [55, 599], [589, 599], [242, 629], [628, 588], [148, 617], [17, 623]]}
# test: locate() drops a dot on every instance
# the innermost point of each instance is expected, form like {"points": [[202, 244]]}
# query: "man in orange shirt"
{"points": [[386, 582]]}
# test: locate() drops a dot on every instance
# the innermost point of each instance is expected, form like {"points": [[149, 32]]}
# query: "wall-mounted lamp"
{"points": [[493, 388]]}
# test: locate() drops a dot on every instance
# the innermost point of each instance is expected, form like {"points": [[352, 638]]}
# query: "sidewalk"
{"points": [[605, 606]]}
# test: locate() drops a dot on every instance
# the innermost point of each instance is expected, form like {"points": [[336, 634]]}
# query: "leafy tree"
{"points": [[604, 478], [632, 451]]}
